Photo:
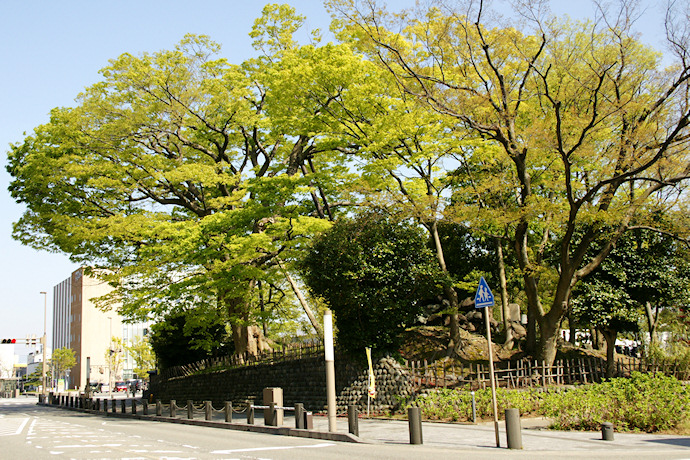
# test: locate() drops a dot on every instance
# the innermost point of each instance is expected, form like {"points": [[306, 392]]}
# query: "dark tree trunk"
{"points": [[610, 337]]}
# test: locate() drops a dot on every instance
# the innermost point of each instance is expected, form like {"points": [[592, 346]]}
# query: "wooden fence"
{"points": [[528, 373]]}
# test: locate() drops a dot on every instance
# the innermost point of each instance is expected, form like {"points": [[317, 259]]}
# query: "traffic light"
{"points": [[9, 340]]}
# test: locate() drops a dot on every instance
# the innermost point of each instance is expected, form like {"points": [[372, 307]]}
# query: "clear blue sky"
{"points": [[50, 51]]}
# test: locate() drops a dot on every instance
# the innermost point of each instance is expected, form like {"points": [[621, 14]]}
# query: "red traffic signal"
{"points": [[9, 340]]}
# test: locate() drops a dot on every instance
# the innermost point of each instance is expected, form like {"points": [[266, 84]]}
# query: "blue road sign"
{"points": [[484, 297]]}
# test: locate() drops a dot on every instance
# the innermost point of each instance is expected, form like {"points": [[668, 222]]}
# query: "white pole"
{"points": [[330, 369]]}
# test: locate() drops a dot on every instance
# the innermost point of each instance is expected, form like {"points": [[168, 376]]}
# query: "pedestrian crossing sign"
{"points": [[484, 297]]}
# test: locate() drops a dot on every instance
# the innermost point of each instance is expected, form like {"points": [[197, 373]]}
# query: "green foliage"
{"points": [[186, 337], [644, 267], [456, 405], [144, 358], [62, 359], [373, 272], [644, 402]]}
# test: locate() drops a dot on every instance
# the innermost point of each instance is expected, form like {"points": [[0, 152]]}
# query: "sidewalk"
{"points": [[535, 437]]}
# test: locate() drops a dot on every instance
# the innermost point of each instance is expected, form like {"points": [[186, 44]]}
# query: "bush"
{"points": [[644, 402]]}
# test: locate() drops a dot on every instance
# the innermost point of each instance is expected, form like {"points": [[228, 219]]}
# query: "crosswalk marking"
{"points": [[12, 426]]}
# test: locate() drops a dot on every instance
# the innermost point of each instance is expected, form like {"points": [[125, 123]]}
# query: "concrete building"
{"points": [[87, 330]]}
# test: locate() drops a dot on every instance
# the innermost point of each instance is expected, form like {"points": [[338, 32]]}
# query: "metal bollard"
{"points": [[414, 417], [352, 420], [105, 406], [513, 427], [144, 407], [228, 411], [208, 410], [474, 408], [113, 406], [299, 416], [173, 406], [123, 406], [250, 414], [607, 431], [134, 406], [190, 409], [272, 416], [159, 408]]}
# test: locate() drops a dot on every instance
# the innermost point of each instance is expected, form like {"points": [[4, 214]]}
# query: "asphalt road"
{"points": [[28, 431]]}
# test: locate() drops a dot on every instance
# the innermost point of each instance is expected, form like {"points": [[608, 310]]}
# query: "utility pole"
{"points": [[44, 340]]}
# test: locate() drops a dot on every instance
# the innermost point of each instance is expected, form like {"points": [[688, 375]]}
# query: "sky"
{"points": [[51, 51]]}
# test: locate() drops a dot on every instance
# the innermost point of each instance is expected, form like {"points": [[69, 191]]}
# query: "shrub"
{"points": [[645, 402]]}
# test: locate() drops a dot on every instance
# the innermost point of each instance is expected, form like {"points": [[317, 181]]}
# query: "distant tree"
{"points": [[142, 353], [373, 272], [63, 359], [189, 336], [36, 377], [646, 272]]}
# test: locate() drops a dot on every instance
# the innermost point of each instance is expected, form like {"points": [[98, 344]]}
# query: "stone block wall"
{"points": [[302, 381]]}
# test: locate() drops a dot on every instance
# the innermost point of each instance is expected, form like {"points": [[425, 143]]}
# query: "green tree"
{"points": [[374, 273], [189, 336], [192, 180], [645, 273], [62, 359], [579, 112], [142, 353]]}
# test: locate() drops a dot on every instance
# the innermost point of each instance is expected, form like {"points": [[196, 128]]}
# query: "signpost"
{"points": [[482, 299]]}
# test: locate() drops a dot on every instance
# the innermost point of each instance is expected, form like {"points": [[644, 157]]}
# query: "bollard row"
{"points": [[303, 418]]}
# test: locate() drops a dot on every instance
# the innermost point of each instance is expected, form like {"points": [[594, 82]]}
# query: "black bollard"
{"points": [[414, 417], [607, 431], [352, 420], [513, 429]]}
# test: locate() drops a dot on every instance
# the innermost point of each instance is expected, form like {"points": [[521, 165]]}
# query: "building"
{"points": [[90, 332]]}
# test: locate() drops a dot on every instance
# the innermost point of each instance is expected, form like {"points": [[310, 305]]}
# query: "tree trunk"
{"points": [[610, 337], [571, 325], [247, 336], [652, 321], [505, 310], [302, 301], [548, 339], [449, 292]]}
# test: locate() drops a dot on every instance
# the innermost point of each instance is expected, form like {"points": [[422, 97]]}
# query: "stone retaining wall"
{"points": [[302, 380]]}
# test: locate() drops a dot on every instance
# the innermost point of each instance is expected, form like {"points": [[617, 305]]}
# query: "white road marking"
{"points": [[259, 449]]}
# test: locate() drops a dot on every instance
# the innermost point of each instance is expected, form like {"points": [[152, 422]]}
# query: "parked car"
{"points": [[120, 386]]}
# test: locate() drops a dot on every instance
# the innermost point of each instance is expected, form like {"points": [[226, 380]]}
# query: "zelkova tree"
{"points": [[191, 179], [594, 130]]}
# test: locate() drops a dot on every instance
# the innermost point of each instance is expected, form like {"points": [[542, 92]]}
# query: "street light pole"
{"points": [[110, 360], [44, 341]]}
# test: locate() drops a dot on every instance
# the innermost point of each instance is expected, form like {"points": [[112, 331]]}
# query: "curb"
{"points": [[274, 430]]}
